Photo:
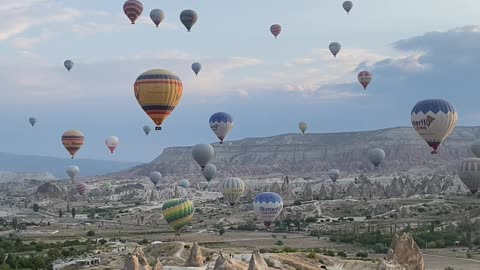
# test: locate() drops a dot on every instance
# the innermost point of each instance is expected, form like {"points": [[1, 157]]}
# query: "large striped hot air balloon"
{"points": [[475, 148], [133, 9], [81, 188], [232, 189], [434, 120], [178, 213], [469, 173], [275, 29], [364, 78], [268, 206], [73, 140], [158, 92], [221, 123]]}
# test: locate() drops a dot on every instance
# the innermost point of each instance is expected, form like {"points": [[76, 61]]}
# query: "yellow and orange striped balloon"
{"points": [[158, 92], [73, 141]]}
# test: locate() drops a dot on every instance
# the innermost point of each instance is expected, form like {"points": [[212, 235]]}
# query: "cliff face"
{"points": [[314, 154], [403, 254]]}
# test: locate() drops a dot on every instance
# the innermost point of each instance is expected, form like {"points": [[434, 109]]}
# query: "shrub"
{"points": [[274, 236], [379, 248], [297, 202], [285, 237], [144, 242], [342, 254], [311, 255], [440, 243], [362, 254], [90, 233], [431, 245], [310, 220], [279, 243], [329, 252], [186, 247], [289, 249], [449, 268]]}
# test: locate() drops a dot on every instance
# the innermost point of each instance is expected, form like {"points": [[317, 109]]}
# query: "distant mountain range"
{"points": [[49, 166], [311, 155]]}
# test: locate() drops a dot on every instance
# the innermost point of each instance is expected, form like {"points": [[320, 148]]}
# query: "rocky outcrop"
{"points": [[403, 254], [158, 265], [50, 190], [136, 260], [195, 259], [257, 262], [224, 263]]}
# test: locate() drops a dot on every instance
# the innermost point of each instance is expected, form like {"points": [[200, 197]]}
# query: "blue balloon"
{"points": [[221, 123], [268, 206]]}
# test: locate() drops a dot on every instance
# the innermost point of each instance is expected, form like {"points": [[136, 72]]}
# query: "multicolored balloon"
{"points": [[268, 206], [232, 189], [112, 143], [475, 148], [303, 127], [68, 64], [221, 124], [146, 129], [81, 188], [32, 121], [178, 213], [158, 92], [347, 5], [365, 77], [188, 17], [133, 9], [184, 183], [157, 16], [334, 48], [209, 172], [469, 173], [376, 156], [203, 153], [334, 174], [196, 67], [434, 120], [155, 177], [72, 171], [73, 140], [275, 29]]}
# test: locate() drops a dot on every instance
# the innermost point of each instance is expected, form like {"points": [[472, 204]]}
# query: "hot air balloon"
{"points": [[158, 92], [107, 186], [334, 48], [376, 156], [275, 29], [112, 143], [32, 121], [475, 148], [196, 67], [72, 171], [434, 120], [133, 9], [184, 183], [155, 177], [469, 173], [209, 172], [303, 127], [221, 123], [268, 206], [232, 189], [203, 153], [347, 5], [365, 77], [146, 129], [81, 188], [157, 16], [73, 140], [178, 213], [188, 18], [68, 64], [334, 174]]}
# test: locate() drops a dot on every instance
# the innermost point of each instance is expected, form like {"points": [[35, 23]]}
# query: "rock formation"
{"points": [[136, 261], [195, 259], [158, 265], [50, 190], [224, 263], [403, 254], [257, 262]]}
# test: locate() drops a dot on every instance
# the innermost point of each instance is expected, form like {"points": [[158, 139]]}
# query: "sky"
{"points": [[415, 50]]}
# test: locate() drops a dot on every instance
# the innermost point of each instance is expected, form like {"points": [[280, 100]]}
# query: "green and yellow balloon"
{"points": [[178, 213]]}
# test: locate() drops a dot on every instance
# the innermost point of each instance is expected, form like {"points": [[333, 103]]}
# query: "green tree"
{"points": [[14, 223], [38, 263], [60, 213], [92, 214], [221, 231], [2, 256], [90, 233], [36, 208], [73, 212]]}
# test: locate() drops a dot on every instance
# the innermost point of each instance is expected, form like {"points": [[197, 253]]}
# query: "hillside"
{"points": [[311, 155]]}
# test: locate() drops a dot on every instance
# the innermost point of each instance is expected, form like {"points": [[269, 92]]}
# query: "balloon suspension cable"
{"points": [[158, 128], [221, 142]]}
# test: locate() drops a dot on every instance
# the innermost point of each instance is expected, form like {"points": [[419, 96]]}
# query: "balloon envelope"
{"points": [[112, 143], [268, 206], [334, 174], [155, 177], [178, 213], [188, 18], [347, 5], [221, 124], [158, 92], [469, 173], [157, 16], [376, 156], [275, 29], [133, 9], [72, 171], [475, 148], [334, 48], [107, 186], [203, 153], [434, 120], [184, 183], [146, 129], [209, 172], [365, 77], [68, 64], [196, 67], [32, 121], [303, 127], [73, 140], [81, 188], [232, 189]]}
